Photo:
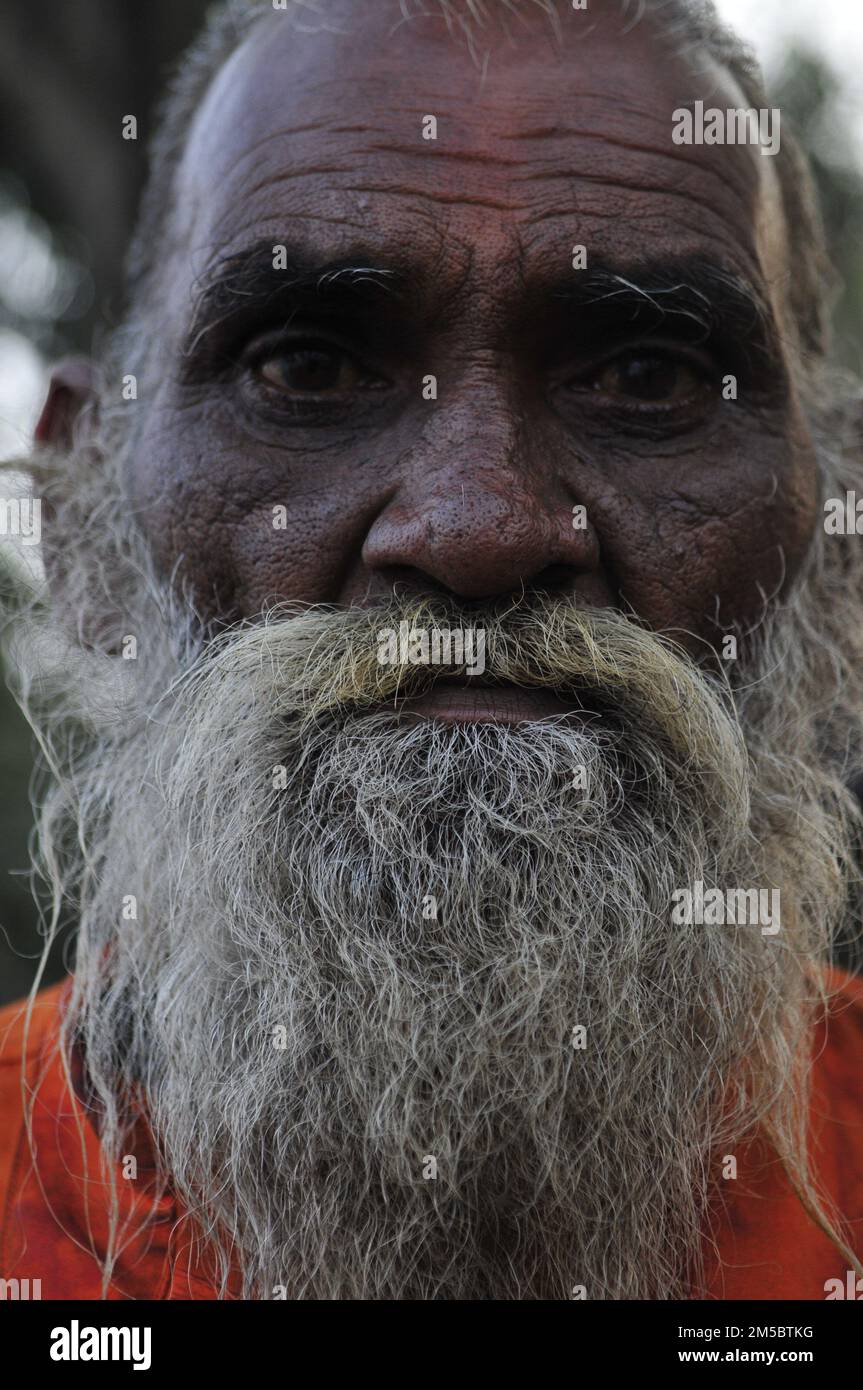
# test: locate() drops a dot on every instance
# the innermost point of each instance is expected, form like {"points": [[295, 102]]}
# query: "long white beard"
{"points": [[356, 1000]]}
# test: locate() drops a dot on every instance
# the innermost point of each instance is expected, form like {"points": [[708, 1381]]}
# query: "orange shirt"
{"points": [[54, 1216]]}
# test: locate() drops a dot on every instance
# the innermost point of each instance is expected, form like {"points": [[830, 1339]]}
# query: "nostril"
{"points": [[553, 577], [406, 582]]}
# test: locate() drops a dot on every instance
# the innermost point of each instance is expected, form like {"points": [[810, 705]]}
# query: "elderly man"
{"points": [[451, 687]]}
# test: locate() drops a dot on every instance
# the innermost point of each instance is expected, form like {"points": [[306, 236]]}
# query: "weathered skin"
{"points": [[695, 511]]}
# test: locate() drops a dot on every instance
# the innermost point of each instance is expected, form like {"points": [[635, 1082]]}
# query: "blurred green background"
{"points": [[68, 190]]}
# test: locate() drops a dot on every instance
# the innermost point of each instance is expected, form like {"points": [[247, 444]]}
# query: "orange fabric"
{"points": [[54, 1209], [54, 1214], [766, 1245]]}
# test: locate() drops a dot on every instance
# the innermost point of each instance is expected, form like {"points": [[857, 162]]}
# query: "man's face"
{"points": [[556, 387]]}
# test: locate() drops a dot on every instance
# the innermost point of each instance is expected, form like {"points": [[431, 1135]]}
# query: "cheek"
{"points": [[248, 525], [295, 550], [705, 557]]}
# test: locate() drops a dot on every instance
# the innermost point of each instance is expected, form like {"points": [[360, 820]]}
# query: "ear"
{"points": [[68, 420], [71, 397]]}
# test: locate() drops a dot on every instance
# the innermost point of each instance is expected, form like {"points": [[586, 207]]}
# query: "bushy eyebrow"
{"points": [[693, 295], [249, 284]]}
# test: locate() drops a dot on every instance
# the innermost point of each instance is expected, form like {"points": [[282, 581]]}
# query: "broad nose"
{"points": [[482, 513]]}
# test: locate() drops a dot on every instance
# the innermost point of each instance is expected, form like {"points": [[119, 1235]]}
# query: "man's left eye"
{"points": [[650, 377], [310, 370]]}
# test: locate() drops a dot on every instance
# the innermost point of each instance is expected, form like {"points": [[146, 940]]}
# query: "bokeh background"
{"points": [[68, 190]]}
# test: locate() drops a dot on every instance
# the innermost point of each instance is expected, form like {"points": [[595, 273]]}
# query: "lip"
{"points": [[463, 703]]}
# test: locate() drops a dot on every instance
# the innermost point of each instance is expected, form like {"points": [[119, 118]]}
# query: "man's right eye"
{"points": [[310, 369]]}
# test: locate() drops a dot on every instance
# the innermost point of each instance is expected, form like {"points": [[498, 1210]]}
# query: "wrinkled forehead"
{"points": [[378, 136]]}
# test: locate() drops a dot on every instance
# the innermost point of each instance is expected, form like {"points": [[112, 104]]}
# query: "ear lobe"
{"points": [[71, 390]]}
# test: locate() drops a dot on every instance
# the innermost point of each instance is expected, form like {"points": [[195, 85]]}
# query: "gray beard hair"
{"points": [[350, 1001]]}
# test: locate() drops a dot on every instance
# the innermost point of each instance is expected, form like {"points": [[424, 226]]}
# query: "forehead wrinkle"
{"points": [[666, 152], [440, 198], [519, 194], [541, 167], [662, 195], [429, 194], [472, 130], [426, 231], [420, 193]]}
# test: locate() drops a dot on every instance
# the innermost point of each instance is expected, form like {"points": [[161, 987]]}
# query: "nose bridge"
{"points": [[478, 439], [482, 467], [480, 510]]}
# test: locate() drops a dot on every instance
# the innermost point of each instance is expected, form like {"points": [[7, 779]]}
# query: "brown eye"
{"points": [[649, 377], [310, 370]]}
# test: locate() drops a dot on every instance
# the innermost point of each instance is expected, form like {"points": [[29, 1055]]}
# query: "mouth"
{"points": [[460, 700]]}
